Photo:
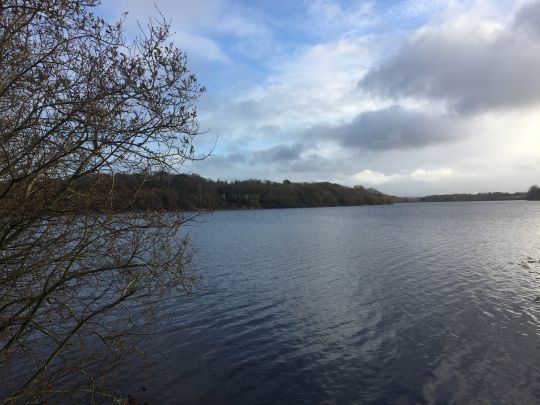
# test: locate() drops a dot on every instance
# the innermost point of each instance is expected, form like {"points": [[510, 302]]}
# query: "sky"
{"points": [[411, 97]]}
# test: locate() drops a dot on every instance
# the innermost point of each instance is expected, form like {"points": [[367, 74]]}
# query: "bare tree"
{"points": [[78, 104]]}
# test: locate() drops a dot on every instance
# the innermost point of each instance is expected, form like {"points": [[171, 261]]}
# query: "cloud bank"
{"points": [[395, 127], [470, 66]]}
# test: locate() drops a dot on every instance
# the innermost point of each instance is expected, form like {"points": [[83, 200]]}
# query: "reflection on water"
{"points": [[425, 303]]}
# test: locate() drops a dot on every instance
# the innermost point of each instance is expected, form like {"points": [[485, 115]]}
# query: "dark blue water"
{"points": [[409, 303]]}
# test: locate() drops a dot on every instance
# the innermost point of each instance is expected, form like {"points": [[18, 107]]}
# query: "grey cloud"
{"points": [[236, 158], [469, 73], [321, 167], [527, 20], [225, 160], [278, 153], [395, 128], [250, 110], [277, 163]]}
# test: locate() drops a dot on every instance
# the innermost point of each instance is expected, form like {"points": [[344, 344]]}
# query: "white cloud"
{"points": [[316, 86], [200, 46], [433, 175], [374, 178]]}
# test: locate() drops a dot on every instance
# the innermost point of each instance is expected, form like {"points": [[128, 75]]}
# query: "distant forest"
{"points": [[171, 192], [532, 194], [496, 196]]}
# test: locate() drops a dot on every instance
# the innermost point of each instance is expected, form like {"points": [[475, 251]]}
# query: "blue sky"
{"points": [[410, 97]]}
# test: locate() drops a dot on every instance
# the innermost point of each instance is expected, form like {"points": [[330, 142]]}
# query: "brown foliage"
{"points": [[79, 104]]}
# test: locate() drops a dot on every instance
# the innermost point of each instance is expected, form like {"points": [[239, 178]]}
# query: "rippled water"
{"points": [[409, 303]]}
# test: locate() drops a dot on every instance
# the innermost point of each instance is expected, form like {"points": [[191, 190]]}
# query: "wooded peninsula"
{"points": [[173, 192]]}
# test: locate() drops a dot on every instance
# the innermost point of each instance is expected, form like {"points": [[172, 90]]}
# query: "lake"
{"points": [[408, 303]]}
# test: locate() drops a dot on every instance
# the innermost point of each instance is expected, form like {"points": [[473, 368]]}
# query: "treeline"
{"points": [[533, 194], [496, 196], [171, 192]]}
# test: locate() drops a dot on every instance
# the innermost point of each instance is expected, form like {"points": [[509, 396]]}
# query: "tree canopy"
{"points": [[533, 193], [174, 192], [80, 104], [494, 196]]}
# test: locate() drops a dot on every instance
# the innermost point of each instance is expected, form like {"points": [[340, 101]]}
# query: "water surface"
{"points": [[409, 303]]}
